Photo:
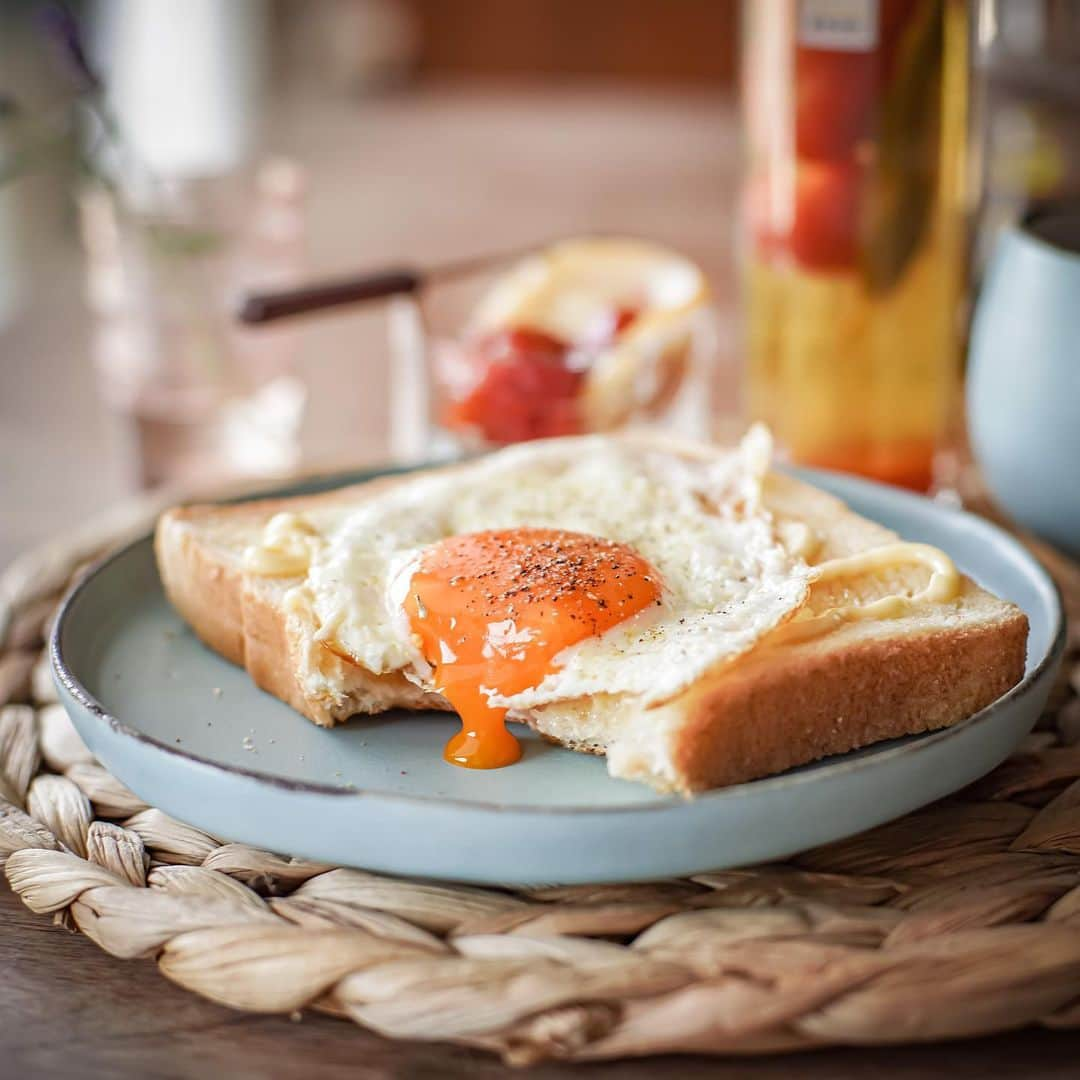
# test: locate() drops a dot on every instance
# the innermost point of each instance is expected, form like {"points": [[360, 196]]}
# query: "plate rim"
{"points": [[70, 683]]}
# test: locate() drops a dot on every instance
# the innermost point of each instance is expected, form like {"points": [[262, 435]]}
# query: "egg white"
{"points": [[728, 576]]}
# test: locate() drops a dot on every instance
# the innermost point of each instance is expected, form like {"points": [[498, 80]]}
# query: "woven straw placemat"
{"points": [[960, 919]]}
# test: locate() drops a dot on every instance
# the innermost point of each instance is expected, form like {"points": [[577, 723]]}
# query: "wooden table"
{"points": [[436, 173]]}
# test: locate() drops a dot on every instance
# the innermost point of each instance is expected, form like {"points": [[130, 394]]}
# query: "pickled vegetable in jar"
{"points": [[855, 218]]}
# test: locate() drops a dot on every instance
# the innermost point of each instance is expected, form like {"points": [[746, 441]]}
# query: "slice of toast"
{"points": [[786, 702]]}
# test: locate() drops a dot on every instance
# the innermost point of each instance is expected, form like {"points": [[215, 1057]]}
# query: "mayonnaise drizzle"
{"points": [[288, 543], [943, 586]]}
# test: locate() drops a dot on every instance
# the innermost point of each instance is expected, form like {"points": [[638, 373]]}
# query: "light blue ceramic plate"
{"points": [[190, 734]]}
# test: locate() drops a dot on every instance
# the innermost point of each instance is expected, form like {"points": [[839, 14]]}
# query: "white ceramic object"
{"points": [[185, 82]]}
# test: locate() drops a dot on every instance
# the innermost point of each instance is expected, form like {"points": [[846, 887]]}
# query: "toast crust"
{"points": [[205, 590], [783, 705], [780, 705], [783, 711], [242, 616]]}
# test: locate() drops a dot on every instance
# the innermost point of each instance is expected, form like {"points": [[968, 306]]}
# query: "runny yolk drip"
{"points": [[492, 610]]}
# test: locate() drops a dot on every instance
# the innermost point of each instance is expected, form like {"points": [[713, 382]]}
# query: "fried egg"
{"points": [[551, 572]]}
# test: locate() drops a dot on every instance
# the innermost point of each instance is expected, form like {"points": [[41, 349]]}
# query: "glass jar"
{"points": [[194, 395], [856, 206], [588, 335]]}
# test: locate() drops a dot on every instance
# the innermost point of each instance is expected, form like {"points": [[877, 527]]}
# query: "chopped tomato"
{"points": [[520, 343], [622, 317], [523, 390]]}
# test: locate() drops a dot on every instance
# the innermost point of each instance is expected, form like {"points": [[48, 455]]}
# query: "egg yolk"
{"points": [[492, 610]]}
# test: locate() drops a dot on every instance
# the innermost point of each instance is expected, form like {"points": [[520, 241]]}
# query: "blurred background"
{"points": [[160, 160]]}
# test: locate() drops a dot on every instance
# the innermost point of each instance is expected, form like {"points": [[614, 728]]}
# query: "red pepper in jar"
{"points": [[835, 94], [825, 232]]}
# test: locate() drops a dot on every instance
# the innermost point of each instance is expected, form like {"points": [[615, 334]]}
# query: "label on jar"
{"points": [[843, 25]]}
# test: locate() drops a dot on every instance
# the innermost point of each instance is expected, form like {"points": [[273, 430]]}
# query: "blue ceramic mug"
{"points": [[1023, 393]]}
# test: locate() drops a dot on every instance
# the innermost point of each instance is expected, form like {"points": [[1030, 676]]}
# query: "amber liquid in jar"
{"points": [[856, 207]]}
